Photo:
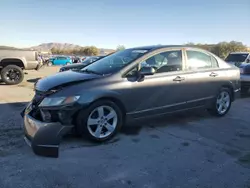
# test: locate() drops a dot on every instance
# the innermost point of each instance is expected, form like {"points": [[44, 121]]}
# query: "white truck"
{"points": [[13, 62]]}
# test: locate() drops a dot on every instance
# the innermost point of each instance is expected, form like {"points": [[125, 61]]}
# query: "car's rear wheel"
{"points": [[12, 75], [100, 121], [222, 103]]}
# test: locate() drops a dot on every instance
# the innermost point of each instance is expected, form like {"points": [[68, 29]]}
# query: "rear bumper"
{"points": [[44, 138]]}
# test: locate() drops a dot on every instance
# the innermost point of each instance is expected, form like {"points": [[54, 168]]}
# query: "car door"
{"points": [[63, 61], [203, 77], [57, 61], [60, 61], [159, 93]]}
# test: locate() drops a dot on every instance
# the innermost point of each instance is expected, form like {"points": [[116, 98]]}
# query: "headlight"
{"points": [[56, 101]]}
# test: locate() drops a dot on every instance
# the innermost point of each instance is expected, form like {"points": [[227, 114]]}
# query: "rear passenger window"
{"points": [[198, 60]]}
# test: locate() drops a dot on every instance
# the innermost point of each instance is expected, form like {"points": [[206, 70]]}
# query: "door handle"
{"points": [[213, 74], [179, 79]]}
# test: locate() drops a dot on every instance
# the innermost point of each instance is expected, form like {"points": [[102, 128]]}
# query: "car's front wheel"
{"points": [[222, 103], [100, 121]]}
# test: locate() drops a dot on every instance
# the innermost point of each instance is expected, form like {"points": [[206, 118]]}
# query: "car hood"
{"points": [[63, 79]]}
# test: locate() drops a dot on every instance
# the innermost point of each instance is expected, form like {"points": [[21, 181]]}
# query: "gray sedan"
{"points": [[128, 85]]}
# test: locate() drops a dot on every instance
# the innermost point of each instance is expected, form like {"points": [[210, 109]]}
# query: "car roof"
{"points": [[156, 47]]}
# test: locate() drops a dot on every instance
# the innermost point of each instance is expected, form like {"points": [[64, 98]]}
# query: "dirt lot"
{"points": [[188, 150]]}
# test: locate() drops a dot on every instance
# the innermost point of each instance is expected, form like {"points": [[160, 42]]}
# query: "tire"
{"points": [[12, 75], [91, 116], [50, 64], [222, 103]]}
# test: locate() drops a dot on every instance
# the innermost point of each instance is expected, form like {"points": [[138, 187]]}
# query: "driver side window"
{"points": [[168, 61]]}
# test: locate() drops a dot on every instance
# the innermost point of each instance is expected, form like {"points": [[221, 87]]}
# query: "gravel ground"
{"points": [[185, 150]]}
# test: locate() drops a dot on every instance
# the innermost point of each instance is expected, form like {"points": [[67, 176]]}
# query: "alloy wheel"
{"points": [[223, 102], [13, 75], [102, 121]]}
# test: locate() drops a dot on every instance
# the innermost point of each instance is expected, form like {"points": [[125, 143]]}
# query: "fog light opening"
{"points": [[46, 116]]}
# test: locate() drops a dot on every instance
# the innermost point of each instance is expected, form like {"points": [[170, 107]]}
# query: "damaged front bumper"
{"points": [[44, 138]]}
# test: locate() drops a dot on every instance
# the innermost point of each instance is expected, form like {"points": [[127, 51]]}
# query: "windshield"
{"points": [[236, 57], [114, 62]]}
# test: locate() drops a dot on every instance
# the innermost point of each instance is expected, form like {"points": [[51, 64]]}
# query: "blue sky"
{"points": [[107, 23]]}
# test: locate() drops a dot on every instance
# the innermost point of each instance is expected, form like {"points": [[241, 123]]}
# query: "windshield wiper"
{"points": [[91, 72]]}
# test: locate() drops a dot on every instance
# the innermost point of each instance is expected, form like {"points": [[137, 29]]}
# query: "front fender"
{"points": [[91, 96], [22, 59]]}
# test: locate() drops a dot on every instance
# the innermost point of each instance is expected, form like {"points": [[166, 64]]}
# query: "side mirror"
{"points": [[146, 71], [248, 61]]}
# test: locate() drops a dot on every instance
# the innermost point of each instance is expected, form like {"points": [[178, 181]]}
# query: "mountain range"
{"points": [[49, 46]]}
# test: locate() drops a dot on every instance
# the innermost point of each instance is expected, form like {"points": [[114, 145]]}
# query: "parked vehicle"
{"points": [[83, 58], [79, 66], [125, 86], [60, 60], [245, 78], [238, 58], [13, 62], [76, 60]]}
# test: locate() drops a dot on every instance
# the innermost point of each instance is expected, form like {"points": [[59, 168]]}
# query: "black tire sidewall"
{"points": [[214, 109], [6, 69], [81, 124]]}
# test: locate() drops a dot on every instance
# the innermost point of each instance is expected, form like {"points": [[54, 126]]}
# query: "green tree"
{"points": [[76, 51], [90, 51], [120, 47], [222, 49], [54, 50]]}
